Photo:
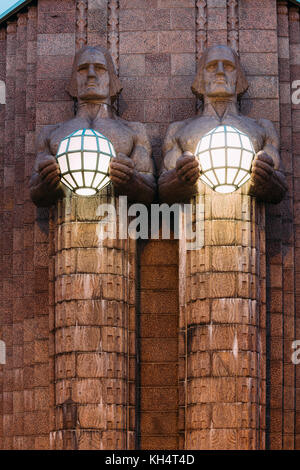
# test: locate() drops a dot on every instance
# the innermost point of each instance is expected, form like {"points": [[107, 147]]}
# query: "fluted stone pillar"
{"points": [[93, 331], [222, 326]]}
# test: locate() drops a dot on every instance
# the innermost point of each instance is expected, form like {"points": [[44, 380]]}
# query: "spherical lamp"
{"points": [[84, 158], [225, 154]]}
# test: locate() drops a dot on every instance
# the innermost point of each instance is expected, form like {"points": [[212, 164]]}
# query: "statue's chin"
{"points": [[220, 92], [91, 95]]}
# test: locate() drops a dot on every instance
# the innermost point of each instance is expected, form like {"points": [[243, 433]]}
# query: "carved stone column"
{"points": [[94, 330], [222, 326]]}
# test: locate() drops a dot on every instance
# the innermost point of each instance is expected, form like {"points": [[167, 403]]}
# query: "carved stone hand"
{"points": [[262, 168], [188, 168], [49, 172], [121, 169]]}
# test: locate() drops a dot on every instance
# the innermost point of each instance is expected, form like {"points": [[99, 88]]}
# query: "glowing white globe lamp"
{"points": [[225, 155], [84, 158]]}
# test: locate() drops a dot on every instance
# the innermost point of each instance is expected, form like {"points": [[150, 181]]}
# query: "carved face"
{"points": [[220, 74], [92, 76]]}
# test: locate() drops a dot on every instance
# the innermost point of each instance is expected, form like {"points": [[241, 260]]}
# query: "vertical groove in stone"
{"points": [[130, 260], [233, 24], [29, 221], [287, 389], [113, 31], [7, 234], [259, 266], [19, 281], [225, 326], [81, 23], [201, 27], [52, 345], [294, 43]]}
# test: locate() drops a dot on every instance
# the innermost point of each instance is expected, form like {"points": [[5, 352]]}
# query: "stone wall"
{"points": [[154, 44]]}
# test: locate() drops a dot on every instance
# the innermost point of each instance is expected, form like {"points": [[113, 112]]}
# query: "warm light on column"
{"points": [[225, 155], [84, 158]]}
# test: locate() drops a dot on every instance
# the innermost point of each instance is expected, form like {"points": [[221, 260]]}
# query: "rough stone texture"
{"points": [[156, 76], [158, 337], [94, 330], [224, 333], [153, 40]]}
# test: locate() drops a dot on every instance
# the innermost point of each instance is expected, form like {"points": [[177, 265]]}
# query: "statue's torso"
{"points": [[192, 130], [116, 130]]}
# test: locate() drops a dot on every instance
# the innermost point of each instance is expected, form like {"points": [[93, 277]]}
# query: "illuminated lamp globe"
{"points": [[225, 155], [83, 159]]}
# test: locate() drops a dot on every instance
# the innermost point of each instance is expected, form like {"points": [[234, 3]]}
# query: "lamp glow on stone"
{"points": [[225, 155], [83, 159]]}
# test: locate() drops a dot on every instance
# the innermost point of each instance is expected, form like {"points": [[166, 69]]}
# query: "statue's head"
{"points": [[219, 74], [94, 76]]}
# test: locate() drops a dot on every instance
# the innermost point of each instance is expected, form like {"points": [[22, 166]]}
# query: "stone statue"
{"points": [[219, 82], [95, 85]]}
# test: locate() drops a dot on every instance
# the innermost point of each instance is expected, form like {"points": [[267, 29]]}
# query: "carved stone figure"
{"points": [[219, 82], [96, 86]]}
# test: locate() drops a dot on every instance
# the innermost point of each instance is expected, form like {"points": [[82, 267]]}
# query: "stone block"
{"points": [[182, 109], [158, 326], [138, 42], [54, 66], [176, 41], [56, 44], [132, 65], [258, 41], [157, 111], [57, 22], [259, 63], [162, 398], [158, 64], [138, 4], [159, 374], [216, 19], [159, 349], [263, 87], [182, 18], [158, 302], [183, 64], [166, 278], [262, 16], [158, 423]]}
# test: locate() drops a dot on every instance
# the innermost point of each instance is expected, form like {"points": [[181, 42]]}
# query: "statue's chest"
{"points": [[189, 137], [120, 136]]}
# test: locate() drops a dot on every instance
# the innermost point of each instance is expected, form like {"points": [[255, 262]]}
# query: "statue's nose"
{"points": [[220, 68], [91, 72]]}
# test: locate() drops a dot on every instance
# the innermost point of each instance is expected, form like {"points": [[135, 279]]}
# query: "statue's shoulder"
{"points": [[46, 132], [138, 129], [267, 125], [176, 127]]}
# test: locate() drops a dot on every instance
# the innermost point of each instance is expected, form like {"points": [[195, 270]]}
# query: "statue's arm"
{"points": [[180, 171], [138, 181], [45, 185], [268, 181]]}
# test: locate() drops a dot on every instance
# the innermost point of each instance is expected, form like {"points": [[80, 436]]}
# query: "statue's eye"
{"points": [[211, 67], [229, 67], [82, 68]]}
